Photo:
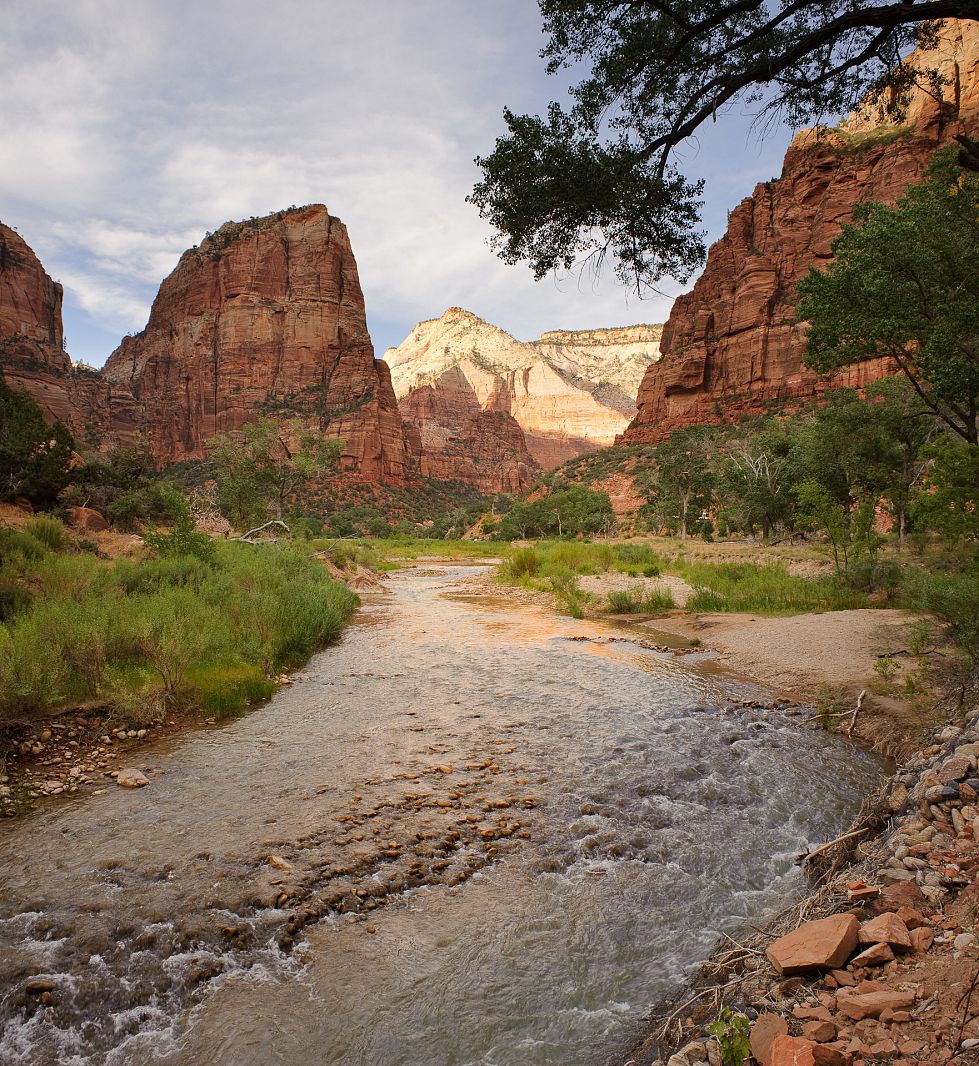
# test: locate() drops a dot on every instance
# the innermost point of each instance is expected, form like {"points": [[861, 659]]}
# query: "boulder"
{"points": [[819, 1032], [132, 778], [791, 1051], [824, 944], [870, 1004], [922, 939], [87, 519], [905, 894], [765, 1029], [875, 955], [886, 929], [829, 1056], [955, 769]]}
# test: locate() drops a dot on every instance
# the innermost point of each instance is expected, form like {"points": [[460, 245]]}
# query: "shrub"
{"points": [[955, 599], [524, 562], [18, 544], [640, 601], [49, 531], [14, 596]]}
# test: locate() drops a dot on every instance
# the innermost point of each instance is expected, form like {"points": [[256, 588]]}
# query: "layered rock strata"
{"points": [[456, 440], [731, 345], [570, 392], [265, 318], [32, 353]]}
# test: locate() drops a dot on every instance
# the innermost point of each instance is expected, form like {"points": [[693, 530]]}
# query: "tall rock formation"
{"points": [[456, 440], [731, 345], [32, 355], [570, 392], [265, 318]]}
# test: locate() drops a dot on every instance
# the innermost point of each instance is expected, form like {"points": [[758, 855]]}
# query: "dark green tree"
{"points": [[35, 458], [905, 284], [682, 485], [754, 476], [599, 178], [259, 469]]}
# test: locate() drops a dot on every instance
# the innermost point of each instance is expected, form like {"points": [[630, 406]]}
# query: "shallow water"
{"points": [[499, 846]]}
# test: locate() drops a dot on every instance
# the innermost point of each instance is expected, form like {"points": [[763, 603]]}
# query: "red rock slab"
{"points": [[824, 944], [886, 929], [872, 1004], [764, 1031], [819, 1032], [875, 955], [911, 918], [922, 939], [829, 1056], [903, 894], [791, 1051]]}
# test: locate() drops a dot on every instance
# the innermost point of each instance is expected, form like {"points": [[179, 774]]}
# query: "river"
{"points": [[496, 836]]}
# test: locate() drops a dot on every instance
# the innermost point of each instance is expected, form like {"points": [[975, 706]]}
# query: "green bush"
{"points": [[639, 601], [17, 544], [524, 562], [955, 599], [49, 531]]}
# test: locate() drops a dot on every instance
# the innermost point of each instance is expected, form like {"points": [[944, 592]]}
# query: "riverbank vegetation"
{"points": [[203, 630]]}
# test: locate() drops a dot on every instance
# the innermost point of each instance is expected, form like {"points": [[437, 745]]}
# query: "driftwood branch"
{"points": [[856, 711], [830, 843], [245, 538]]}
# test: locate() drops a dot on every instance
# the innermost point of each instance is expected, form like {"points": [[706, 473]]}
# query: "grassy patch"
{"points": [[639, 600], [772, 590], [142, 634]]}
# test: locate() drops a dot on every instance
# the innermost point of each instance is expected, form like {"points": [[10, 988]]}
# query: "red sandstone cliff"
{"points": [[456, 440], [265, 318], [731, 345], [32, 355]]}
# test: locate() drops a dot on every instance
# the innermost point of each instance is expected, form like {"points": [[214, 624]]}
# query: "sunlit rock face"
{"points": [[33, 357], [570, 392], [265, 319], [731, 345]]}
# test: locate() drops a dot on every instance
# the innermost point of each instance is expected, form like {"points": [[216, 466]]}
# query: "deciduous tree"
{"points": [[600, 178]]}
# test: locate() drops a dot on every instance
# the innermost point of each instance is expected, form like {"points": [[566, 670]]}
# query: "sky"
{"points": [[130, 129]]}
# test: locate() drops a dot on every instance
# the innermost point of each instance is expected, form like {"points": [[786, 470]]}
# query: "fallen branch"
{"points": [[825, 847], [856, 711], [245, 537]]}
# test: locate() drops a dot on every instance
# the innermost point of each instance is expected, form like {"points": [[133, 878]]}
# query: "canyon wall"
{"points": [[32, 355], [570, 392], [265, 319], [456, 440], [731, 345]]}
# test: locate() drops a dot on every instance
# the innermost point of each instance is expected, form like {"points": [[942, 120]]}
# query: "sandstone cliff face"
{"points": [[32, 355], [265, 318], [570, 392], [456, 440], [731, 345]]}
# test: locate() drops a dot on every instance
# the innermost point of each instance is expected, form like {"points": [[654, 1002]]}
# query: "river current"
{"points": [[473, 833]]}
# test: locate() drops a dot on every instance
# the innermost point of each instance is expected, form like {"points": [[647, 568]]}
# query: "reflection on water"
{"points": [[500, 845]]}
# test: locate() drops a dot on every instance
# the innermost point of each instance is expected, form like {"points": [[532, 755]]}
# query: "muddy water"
{"points": [[492, 844]]}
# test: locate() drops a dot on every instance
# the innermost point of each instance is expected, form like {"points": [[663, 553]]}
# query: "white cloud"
{"points": [[131, 128]]}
